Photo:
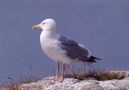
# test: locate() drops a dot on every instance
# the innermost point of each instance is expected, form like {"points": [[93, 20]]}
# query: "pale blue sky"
{"points": [[101, 25]]}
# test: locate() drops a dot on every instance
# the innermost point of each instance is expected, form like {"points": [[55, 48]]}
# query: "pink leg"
{"points": [[63, 69], [56, 77], [62, 76], [57, 71]]}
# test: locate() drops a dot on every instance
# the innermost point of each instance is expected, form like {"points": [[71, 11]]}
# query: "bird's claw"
{"points": [[60, 79]]}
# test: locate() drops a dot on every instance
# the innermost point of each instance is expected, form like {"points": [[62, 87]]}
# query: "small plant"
{"points": [[14, 85], [107, 75], [98, 75]]}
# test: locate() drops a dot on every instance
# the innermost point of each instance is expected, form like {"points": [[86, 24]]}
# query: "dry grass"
{"points": [[69, 73], [107, 75], [98, 75], [15, 85], [85, 73]]}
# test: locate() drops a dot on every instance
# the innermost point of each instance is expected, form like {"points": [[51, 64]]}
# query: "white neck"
{"points": [[47, 34]]}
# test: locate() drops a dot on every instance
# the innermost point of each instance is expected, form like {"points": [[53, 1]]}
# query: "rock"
{"points": [[122, 84], [75, 84], [40, 85], [107, 85], [92, 87]]}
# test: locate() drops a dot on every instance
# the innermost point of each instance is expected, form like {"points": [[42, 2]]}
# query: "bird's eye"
{"points": [[43, 23]]}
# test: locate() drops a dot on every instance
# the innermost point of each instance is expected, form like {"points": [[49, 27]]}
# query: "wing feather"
{"points": [[72, 48]]}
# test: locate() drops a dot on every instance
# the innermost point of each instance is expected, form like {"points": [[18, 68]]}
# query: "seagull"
{"points": [[61, 49]]}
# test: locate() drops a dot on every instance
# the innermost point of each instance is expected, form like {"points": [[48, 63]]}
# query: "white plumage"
{"points": [[59, 48]]}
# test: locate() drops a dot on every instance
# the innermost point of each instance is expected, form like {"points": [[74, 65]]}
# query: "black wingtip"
{"points": [[92, 59], [95, 58]]}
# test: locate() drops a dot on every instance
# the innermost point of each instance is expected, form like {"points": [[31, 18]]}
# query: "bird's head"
{"points": [[47, 24]]}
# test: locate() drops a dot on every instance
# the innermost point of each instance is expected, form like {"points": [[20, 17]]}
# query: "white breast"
{"points": [[50, 46]]}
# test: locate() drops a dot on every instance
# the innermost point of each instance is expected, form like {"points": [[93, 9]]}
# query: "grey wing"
{"points": [[73, 49]]}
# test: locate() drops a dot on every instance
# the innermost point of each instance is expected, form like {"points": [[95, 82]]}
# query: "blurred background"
{"points": [[101, 25]]}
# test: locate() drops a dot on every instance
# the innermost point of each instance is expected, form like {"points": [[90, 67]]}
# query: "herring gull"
{"points": [[61, 49]]}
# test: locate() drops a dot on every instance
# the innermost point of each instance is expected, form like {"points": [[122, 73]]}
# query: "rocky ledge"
{"points": [[76, 84]]}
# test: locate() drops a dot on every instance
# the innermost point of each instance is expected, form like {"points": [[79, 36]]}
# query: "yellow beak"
{"points": [[37, 26]]}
